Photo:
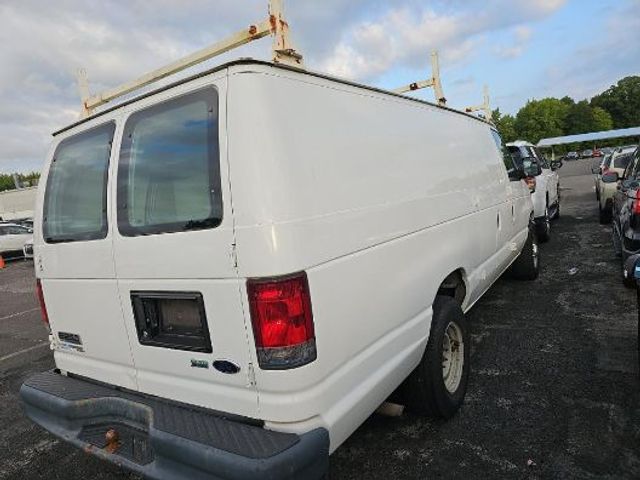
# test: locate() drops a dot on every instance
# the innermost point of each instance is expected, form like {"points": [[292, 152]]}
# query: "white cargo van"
{"points": [[239, 268]]}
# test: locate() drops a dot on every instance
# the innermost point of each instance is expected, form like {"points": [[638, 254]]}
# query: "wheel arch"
{"points": [[455, 285]]}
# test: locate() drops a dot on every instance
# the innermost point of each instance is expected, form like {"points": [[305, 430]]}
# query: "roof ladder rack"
{"points": [[484, 107], [282, 52], [434, 82]]}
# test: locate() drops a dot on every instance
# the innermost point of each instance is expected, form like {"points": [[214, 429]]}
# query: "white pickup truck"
{"points": [[546, 186], [239, 268]]}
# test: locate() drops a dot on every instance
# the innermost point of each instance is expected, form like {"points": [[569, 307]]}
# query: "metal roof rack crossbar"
{"points": [[485, 108], [434, 82], [282, 53]]}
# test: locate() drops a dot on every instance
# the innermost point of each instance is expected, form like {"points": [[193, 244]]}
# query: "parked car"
{"points": [[25, 222], [27, 249], [596, 169], [626, 212], [618, 162], [13, 238], [546, 193], [597, 153], [586, 153], [572, 156], [283, 315]]}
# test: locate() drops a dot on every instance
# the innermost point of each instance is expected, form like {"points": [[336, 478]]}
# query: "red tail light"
{"points": [[43, 306], [531, 183], [282, 321], [636, 204]]}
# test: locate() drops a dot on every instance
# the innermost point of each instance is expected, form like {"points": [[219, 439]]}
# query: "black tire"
{"points": [[424, 391], [527, 265], [617, 245], [543, 227], [604, 215], [627, 277]]}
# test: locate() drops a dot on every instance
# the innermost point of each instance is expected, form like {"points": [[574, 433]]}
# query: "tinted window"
{"points": [[75, 206], [524, 158], [16, 230], [634, 165], [506, 155], [631, 170], [543, 160], [169, 174], [3, 230], [622, 161]]}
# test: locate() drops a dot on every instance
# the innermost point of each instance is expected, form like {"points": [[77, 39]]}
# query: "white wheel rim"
{"points": [[452, 357]]}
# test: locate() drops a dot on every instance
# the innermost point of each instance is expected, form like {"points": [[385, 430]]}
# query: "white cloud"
{"points": [[43, 43], [404, 36], [519, 41]]}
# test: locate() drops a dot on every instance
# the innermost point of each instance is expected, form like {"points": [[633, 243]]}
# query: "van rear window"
{"points": [[75, 204], [169, 172]]}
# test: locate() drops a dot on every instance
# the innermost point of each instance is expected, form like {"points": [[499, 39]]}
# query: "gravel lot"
{"points": [[553, 390]]}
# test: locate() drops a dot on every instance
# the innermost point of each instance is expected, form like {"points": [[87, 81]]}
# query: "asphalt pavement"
{"points": [[553, 389]]}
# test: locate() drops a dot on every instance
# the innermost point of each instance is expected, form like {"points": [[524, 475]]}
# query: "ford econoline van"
{"points": [[239, 268]]}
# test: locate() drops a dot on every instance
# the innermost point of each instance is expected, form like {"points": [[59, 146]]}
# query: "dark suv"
{"points": [[626, 212]]}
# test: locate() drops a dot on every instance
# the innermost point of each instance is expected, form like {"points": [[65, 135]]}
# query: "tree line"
{"points": [[616, 107], [25, 180]]}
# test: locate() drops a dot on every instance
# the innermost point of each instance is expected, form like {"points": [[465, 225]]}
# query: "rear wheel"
{"points": [[617, 245], [627, 277], [438, 384], [527, 265], [604, 214], [544, 226]]}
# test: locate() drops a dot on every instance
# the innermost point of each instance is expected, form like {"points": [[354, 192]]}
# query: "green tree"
{"points": [[541, 119], [505, 125], [601, 120], [622, 101], [25, 179], [579, 118]]}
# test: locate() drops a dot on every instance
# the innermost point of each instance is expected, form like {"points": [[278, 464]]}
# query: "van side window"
{"points": [[75, 202], [506, 156], [541, 158], [169, 172]]}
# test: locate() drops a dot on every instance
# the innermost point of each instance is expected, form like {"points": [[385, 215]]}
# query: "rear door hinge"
{"points": [[252, 375], [234, 255]]}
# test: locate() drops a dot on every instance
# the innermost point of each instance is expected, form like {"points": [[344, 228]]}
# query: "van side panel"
{"points": [[378, 198]]}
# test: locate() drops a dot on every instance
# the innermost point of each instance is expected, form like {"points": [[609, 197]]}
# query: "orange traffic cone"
{"points": [[1, 262]]}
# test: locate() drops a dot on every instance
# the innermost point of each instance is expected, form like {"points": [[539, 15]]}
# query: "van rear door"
{"points": [[174, 253], [74, 259]]}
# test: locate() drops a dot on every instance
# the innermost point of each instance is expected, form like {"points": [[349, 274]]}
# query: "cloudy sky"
{"points": [[521, 48]]}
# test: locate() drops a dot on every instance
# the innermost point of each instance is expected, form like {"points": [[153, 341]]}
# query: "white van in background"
{"points": [[546, 188], [239, 268]]}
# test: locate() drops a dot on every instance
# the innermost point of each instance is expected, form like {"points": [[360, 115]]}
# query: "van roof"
{"points": [[251, 61]]}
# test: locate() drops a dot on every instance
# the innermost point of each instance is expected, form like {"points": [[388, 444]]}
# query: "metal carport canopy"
{"points": [[590, 137]]}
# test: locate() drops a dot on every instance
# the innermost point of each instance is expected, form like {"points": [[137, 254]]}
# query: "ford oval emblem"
{"points": [[225, 366]]}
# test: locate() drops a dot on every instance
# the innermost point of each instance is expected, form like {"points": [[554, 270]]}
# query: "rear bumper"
{"points": [[167, 440]]}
